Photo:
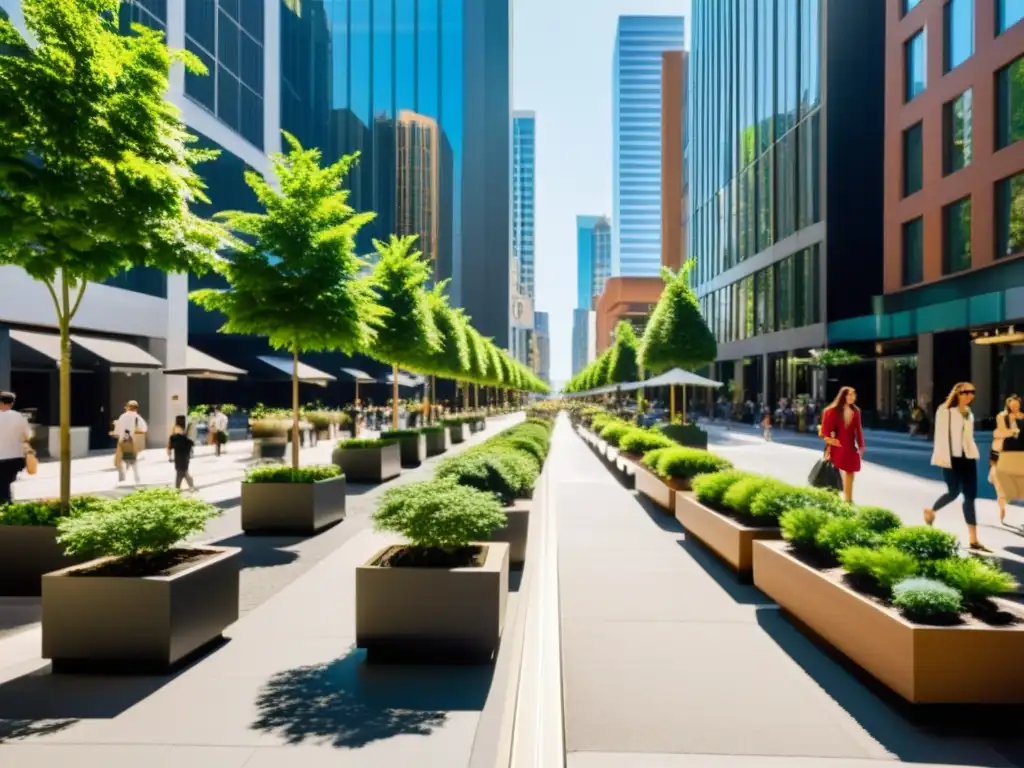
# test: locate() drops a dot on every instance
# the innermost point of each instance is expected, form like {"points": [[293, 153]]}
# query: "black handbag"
{"points": [[825, 475]]}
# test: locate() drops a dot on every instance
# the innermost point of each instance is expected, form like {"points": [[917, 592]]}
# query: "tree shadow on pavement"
{"points": [[725, 577], [263, 551], [659, 516], [941, 735], [349, 704]]}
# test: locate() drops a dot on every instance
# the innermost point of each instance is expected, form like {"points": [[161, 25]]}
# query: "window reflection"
{"points": [[956, 236], [1010, 216], [915, 77], [958, 45], [956, 133], [1010, 104], [913, 252]]}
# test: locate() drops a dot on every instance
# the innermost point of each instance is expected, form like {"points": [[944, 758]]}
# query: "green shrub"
{"points": [[689, 435], [435, 430], [687, 463], [397, 434], [439, 514], [842, 532], [600, 421], [711, 489], [741, 495], [885, 566], [879, 519], [615, 431], [778, 498], [147, 522], [800, 526], [264, 429], [508, 474], [926, 600], [524, 443], [320, 420], [975, 579], [48, 511], [639, 441], [313, 474], [364, 443], [923, 542]]}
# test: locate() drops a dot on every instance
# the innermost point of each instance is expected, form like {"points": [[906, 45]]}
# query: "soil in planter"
{"points": [[163, 564], [415, 557]]}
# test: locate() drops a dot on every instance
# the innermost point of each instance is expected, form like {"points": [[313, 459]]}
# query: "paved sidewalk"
{"points": [[668, 662], [287, 690]]}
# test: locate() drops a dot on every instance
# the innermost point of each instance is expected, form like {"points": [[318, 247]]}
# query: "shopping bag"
{"points": [[31, 462], [825, 475]]}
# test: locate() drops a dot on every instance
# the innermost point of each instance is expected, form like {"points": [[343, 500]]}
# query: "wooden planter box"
{"points": [[729, 539], [26, 553], [437, 442], [967, 664], [150, 623], [409, 613], [457, 433], [413, 448], [369, 465], [300, 509], [516, 532], [661, 492]]}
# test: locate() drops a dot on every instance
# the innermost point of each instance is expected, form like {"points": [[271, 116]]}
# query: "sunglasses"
{"points": [[967, 392]]}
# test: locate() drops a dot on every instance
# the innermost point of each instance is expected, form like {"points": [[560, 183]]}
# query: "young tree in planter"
{"points": [[676, 334], [497, 375], [295, 279], [96, 166], [454, 358], [409, 337], [480, 364], [623, 368]]}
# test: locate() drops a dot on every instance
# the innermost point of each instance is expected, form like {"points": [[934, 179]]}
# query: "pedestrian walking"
{"points": [[956, 453], [843, 432], [130, 422], [1006, 440], [129, 458], [15, 437], [217, 426], [766, 425], [179, 450]]}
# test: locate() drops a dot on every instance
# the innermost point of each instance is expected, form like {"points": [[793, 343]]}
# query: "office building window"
{"points": [[958, 43], [785, 209], [913, 164], [956, 236], [1008, 13], [956, 133], [908, 6], [809, 168], [784, 315], [1010, 216], [1010, 103], [765, 187], [913, 251], [915, 77]]}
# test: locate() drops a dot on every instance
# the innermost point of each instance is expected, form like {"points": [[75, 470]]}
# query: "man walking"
{"points": [[15, 434], [130, 428]]}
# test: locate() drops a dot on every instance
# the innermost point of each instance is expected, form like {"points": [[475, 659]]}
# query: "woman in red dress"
{"points": [[842, 432]]}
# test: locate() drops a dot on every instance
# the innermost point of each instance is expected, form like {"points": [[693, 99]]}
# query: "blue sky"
{"points": [[562, 69]]}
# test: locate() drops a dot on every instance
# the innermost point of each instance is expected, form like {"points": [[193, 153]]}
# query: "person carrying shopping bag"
{"points": [[843, 434], [1007, 456], [956, 453]]}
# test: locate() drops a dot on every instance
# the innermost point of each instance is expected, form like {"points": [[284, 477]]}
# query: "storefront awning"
{"points": [[360, 377], [45, 344], [407, 380], [122, 356], [199, 365], [307, 373]]}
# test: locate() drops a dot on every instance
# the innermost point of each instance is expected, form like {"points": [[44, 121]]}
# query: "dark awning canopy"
{"points": [[199, 365], [358, 376], [122, 356], [307, 373], [406, 380]]}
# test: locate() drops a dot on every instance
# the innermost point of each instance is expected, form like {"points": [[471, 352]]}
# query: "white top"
{"points": [[954, 437], [14, 431], [130, 422], [218, 422]]}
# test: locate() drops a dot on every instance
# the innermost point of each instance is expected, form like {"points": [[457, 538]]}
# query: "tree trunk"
{"points": [[64, 323], [476, 396], [295, 408], [394, 397], [672, 404], [433, 399]]}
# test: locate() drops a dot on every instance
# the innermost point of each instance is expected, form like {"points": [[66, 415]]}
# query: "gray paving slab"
{"points": [[668, 660]]}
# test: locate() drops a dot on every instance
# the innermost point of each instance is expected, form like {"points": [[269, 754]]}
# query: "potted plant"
{"points": [[321, 422], [146, 602], [666, 471], [900, 602], [457, 427], [29, 546], [413, 444], [443, 593], [368, 461], [437, 440], [283, 500], [269, 438]]}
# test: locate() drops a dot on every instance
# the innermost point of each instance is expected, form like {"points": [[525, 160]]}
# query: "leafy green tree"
{"points": [[622, 367], [295, 276], [409, 337], [676, 335], [96, 166], [453, 359]]}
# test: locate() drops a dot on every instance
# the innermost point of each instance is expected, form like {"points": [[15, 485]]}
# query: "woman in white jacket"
{"points": [[957, 454]]}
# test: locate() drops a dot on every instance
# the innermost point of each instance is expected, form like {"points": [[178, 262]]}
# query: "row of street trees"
{"points": [[97, 171]]}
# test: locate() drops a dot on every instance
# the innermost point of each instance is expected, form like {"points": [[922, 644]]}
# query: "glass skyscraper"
{"points": [[593, 258], [524, 131], [636, 140]]}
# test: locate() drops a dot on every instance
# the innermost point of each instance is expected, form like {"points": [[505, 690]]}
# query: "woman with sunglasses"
{"points": [[957, 454]]}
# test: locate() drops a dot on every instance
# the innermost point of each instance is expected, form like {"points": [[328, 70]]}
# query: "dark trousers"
{"points": [[962, 478], [180, 474], [9, 469]]}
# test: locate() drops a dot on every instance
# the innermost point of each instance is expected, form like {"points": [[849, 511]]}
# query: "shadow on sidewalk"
{"points": [[943, 735], [660, 517], [725, 577], [348, 703], [263, 551]]}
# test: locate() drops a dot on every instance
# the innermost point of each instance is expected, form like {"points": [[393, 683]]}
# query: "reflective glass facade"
{"points": [[593, 258], [420, 88], [957, 142], [1010, 216], [915, 66], [524, 131], [1010, 104], [1008, 13], [958, 45], [636, 140]]}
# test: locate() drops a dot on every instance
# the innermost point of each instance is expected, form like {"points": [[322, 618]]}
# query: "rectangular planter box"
{"points": [[101, 623], [409, 613], [457, 433], [517, 530], [26, 553], [923, 664], [270, 448], [369, 465], [661, 492], [413, 448], [726, 537], [437, 442], [300, 509]]}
